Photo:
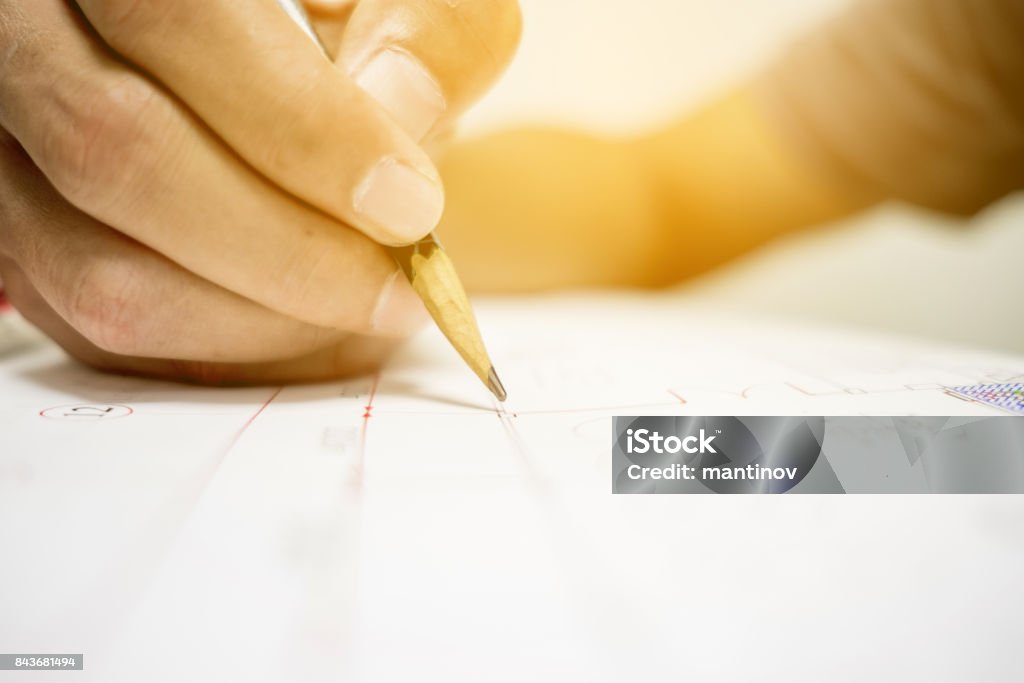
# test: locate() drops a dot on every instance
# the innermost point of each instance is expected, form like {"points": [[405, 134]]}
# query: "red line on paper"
{"points": [[677, 397], [354, 487], [369, 402], [152, 559], [208, 477], [248, 423], [367, 414]]}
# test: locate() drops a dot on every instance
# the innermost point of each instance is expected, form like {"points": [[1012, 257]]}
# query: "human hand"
{"points": [[208, 203]]}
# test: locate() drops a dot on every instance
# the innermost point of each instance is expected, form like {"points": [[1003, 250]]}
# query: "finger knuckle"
{"points": [[297, 116], [20, 214], [103, 308], [97, 154], [308, 285]]}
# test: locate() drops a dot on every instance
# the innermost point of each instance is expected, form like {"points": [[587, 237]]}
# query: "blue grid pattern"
{"points": [[1008, 397]]}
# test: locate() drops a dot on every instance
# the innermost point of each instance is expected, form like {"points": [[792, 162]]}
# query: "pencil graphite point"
{"points": [[495, 385]]}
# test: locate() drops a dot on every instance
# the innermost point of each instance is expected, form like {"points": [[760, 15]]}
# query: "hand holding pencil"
{"points": [[210, 198]]}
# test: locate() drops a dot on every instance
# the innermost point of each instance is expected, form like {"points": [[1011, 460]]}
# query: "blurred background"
{"points": [[619, 68]]}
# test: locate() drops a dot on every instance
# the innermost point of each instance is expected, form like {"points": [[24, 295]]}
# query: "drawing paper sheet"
{"points": [[403, 526]]}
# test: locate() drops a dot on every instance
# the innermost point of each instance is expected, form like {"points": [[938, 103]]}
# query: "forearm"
{"points": [[727, 180], [912, 100], [535, 209]]}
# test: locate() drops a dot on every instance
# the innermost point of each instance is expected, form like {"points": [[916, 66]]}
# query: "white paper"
{"points": [[405, 527]]}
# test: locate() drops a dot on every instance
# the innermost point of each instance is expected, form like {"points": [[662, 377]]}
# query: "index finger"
{"points": [[266, 89]]}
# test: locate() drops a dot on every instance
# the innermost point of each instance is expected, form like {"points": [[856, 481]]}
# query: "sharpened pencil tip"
{"points": [[495, 385]]}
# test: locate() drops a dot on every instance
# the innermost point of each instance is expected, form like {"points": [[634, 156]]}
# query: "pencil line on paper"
{"points": [[519, 446], [596, 409], [567, 546]]}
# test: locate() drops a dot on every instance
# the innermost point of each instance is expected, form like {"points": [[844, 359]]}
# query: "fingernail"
{"points": [[405, 88], [401, 204], [399, 310]]}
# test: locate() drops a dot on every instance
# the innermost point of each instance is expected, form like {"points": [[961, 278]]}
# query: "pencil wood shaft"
{"points": [[433, 276]]}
